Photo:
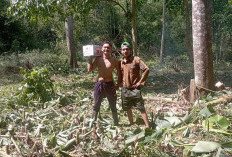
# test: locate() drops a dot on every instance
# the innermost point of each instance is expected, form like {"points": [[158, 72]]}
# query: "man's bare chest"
{"points": [[106, 64]]}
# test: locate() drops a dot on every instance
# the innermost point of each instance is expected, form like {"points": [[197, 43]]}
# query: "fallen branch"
{"points": [[69, 144], [169, 100], [16, 146], [222, 99], [206, 89], [33, 150], [17, 136]]}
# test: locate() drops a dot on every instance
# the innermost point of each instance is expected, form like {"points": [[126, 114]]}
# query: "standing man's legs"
{"points": [[145, 119], [130, 116], [98, 96], [133, 98], [126, 105], [112, 99]]}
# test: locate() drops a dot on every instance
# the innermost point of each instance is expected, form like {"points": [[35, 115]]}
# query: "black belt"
{"points": [[132, 88]]}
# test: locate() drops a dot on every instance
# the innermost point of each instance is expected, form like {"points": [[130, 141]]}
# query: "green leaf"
{"points": [[220, 121], [186, 132], [220, 131], [149, 132], [205, 147], [163, 124], [207, 111], [69, 144], [227, 144], [158, 133], [131, 139], [173, 120]]}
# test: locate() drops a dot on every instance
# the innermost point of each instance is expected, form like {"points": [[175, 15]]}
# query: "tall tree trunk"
{"points": [[188, 31], [202, 43], [134, 33], [163, 32], [217, 38], [70, 42], [220, 49]]}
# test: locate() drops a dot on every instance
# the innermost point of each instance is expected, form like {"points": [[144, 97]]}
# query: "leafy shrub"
{"points": [[15, 46], [36, 86], [228, 56]]}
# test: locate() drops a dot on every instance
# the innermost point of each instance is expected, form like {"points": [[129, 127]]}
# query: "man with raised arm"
{"points": [[105, 87]]}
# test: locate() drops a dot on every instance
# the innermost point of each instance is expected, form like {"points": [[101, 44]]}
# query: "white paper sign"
{"points": [[92, 50]]}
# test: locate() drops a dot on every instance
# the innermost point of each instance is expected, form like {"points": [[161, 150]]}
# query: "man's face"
{"points": [[126, 51], [106, 49]]}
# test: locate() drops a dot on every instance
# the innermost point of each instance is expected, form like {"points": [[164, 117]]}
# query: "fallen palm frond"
{"points": [[65, 126], [222, 99]]}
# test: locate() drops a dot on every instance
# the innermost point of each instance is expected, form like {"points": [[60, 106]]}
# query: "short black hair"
{"points": [[106, 42]]}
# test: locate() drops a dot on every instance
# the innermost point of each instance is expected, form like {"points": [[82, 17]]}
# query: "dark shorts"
{"points": [[132, 98], [104, 90]]}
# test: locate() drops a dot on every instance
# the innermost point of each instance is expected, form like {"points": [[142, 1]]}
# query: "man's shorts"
{"points": [[132, 98], [102, 90]]}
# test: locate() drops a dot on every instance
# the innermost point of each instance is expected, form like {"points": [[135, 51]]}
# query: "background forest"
{"points": [[46, 92], [107, 21]]}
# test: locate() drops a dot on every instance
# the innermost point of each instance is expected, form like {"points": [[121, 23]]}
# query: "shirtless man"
{"points": [[105, 87]]}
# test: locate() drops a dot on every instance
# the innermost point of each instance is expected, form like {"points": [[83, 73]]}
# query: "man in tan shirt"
{"points": [[131, 93], [105, 87]]}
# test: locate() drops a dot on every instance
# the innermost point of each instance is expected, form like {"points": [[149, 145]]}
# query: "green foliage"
{"points": [[229, 56], [149, 28], [37, 85], [230, 2], [109, 26], [217, 121], [97, 21], [175, 6], [15, 46], [45, 9], [19, 35], [221, 24], [36, 57]]}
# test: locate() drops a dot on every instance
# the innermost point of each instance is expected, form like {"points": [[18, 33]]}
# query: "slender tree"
{"points": [[70, 42], [202, 43], [163, 32], [132, 17], [134, 32], [188, 30]]}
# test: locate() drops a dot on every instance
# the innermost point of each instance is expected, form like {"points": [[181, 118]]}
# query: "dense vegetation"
{"points": [[108, 22], [45, 105]]}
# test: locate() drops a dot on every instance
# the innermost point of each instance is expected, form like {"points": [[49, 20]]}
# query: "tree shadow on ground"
{"points": [[167, 83]]}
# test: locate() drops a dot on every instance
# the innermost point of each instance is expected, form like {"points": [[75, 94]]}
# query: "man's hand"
{"points": [[136, 85], [114, 88], [90, 64], [91, 59]]}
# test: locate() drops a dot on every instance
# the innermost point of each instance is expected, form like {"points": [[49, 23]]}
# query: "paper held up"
{"points": [[92, 50]]}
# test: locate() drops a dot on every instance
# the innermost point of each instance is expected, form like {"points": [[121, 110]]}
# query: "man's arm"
{"points": [[92, 64], [119, 73], [145, 72]]}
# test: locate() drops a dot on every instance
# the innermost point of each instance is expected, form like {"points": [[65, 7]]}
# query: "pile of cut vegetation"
{"points": [[32, 124]]}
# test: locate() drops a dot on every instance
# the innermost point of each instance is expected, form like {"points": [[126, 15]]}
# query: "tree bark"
{"points": [[188, 31], [202, 43], [70, 42], [133, 31], [163, 32]]}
